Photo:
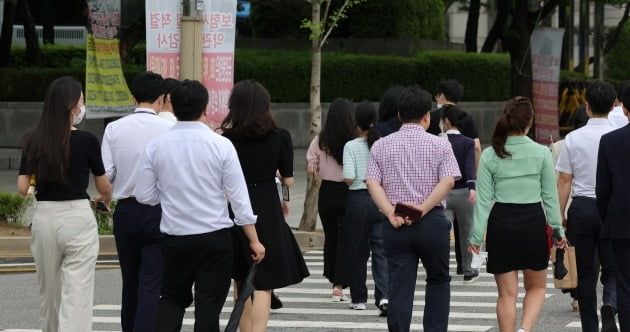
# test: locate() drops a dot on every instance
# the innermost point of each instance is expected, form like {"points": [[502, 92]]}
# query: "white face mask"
{"points": [[78, 118], [441, 126], [439, 105]]}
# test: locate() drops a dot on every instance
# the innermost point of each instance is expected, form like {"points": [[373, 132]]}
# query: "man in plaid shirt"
{"points": [[417, 169]]}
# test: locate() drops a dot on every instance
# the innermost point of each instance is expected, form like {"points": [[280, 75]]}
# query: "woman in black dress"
{"points": [[263, 151]]}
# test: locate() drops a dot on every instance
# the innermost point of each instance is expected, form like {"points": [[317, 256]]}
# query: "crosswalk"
{"points": [[308, 306]]}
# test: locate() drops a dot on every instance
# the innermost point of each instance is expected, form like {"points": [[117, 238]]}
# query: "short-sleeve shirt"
{"points": [[355, 158], [85, 157], [468, 129], [409, 164]]}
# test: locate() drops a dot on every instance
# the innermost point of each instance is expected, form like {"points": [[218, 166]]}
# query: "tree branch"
{"points": [[503, 12], [334, 23], [614, 35], [325, 18]]}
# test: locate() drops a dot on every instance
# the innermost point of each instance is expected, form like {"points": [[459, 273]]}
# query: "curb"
{"points": [[20, 246]]}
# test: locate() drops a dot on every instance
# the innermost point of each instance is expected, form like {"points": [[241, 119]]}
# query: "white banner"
{"points": [[163, 27]]}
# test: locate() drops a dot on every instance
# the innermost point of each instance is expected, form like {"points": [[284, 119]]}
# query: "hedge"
{"points": [[287, 75]]}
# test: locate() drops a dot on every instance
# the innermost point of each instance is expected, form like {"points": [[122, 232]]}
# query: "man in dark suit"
{"points": [[613, 195]]}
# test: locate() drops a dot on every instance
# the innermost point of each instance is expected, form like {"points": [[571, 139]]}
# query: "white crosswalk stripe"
{"points": [[308, 306]]}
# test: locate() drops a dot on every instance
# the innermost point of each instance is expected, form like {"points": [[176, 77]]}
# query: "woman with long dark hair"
{"points": [[263, 150], [325, 158], [518, 175], [364, 222], [64, 238], [388, 121], [460, 201]]}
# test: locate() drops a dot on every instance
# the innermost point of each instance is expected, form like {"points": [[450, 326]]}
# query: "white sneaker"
{"points": [[358, 306], [520, 330]]}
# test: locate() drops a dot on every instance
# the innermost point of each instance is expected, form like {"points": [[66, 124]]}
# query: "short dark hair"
{"points": [[454, 115], [451, 89], [413, 104], [601, 97], [147, 87], [388, 107], [250, 112], [189, 99], [169, 85], [621, 86]]}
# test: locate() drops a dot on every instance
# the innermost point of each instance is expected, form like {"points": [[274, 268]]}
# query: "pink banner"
{"points": [[546, 46]]}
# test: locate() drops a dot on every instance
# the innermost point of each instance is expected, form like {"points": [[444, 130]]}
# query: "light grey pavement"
{"points": [[8, 182]]}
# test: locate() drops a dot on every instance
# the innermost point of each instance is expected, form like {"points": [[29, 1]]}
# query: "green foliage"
{"points": [[287, 74], [279, 18], [398, 19], [51, 56], [618, 59], [105, 221], [12, 207], [361, 77]]}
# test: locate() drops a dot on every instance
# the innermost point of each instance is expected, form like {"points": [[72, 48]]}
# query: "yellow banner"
{"points": [[106, 88]]}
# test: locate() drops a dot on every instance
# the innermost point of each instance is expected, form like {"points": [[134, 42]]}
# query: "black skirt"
{"points": [[517, 238]]}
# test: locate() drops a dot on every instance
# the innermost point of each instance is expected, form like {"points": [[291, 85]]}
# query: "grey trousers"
{"points": [[457, 207]]}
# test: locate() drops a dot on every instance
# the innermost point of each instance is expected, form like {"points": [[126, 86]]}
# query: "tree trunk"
{"points": [[48, 32], [496, 31], [6, 35], [30, 34], [309, 215], [614, 35], [130, 37], [472, 25], [517, 43]]}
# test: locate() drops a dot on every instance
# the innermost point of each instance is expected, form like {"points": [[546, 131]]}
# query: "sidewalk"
{"points": [[16, 246]]}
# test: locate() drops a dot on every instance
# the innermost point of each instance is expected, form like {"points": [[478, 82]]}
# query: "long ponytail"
{"points": [[516, 119]]}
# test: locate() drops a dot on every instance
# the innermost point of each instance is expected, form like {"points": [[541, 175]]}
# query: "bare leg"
{"points": [[507, 284], [535, 283], [260, 310]]}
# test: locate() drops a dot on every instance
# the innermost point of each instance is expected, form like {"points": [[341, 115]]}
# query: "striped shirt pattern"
{"points": [[410, 163], [355, 160]]}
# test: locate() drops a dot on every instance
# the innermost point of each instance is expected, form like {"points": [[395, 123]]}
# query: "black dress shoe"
{"points": [[608, 318], [275, 301]]}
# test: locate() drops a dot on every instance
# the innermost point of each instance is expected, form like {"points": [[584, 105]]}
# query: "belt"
{"points": [[130, 199], [584, 197]]}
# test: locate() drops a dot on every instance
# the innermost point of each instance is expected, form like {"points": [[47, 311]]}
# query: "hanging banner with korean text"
{"points": [[105, 85], [546, 49], [163, 27]]}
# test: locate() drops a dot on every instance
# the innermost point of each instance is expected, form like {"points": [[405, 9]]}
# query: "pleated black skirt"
{"points": [[517, 238]]}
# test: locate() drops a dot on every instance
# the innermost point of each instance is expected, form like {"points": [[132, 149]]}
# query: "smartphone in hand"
{"points": [[100, 207], [404, 210]]}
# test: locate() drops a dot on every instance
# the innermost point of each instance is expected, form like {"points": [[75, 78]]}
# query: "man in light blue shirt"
{"points": [[190, 170], [577, 166]]}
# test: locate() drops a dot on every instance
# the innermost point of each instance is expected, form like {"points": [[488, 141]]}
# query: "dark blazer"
{"points": [[613, 184]]}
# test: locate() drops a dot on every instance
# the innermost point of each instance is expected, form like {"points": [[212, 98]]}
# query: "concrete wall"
{"points": [[16, 118]]}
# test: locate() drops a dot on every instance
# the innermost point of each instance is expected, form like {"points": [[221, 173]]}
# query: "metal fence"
{"points": [[63, 35]]}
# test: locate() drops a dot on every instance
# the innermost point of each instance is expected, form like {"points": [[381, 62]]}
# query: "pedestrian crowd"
{"points": [[197, 207]]}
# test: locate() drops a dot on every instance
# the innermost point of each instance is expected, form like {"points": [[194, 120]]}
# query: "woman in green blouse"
{"points": [[516, 174]]}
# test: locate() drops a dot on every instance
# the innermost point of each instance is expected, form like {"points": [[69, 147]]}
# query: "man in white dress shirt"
{"points": [[136, 226], [190, 170], [577, 166], [616, 117]]}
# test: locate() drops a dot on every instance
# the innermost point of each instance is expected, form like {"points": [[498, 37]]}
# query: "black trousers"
{"points": [[206, 261], [621, 252], [332, 212], [139, 245], [583, 227]]}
